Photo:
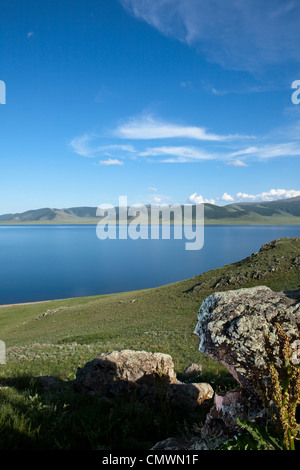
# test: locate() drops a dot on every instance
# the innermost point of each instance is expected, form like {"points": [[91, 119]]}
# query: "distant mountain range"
{"points": [[284, 211]]}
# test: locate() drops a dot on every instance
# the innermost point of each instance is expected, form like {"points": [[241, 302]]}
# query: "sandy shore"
{"points": [[30, 303]]}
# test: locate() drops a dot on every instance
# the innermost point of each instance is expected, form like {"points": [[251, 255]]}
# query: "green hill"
{"points": [[281, 211], [286, 211]]}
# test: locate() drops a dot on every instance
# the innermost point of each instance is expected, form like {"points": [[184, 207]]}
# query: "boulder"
{"points": [[193, 370], [120, 370], [189, 394], [232, 327], [149, 375]]}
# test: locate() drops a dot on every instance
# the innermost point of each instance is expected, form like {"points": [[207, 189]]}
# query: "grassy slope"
{"points": [[161, 319]]}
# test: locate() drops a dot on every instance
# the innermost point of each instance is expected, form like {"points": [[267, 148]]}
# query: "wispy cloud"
{"points": [[285, 149], [133, 139], [111, 162], [80, 145], [236, 162], [30, 34], [238, 158], [86, 146], [178, 154], [147, 127], [241, 35]]}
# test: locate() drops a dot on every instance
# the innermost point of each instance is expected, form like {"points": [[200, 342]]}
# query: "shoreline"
{"points": [[37, 302], [214, 222], [47, 301]]}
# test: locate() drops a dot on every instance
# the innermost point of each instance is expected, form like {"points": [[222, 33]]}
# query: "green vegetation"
{"points": [[254, 437], [284, 392], [281, 396], [54, 338]]}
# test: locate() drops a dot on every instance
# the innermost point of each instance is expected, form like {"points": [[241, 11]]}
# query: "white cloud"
{"points": [[111, 161], [31, 33], [267, 196], [183, 154], [241, 35], [147, 127], [245, 196], [152, 189], [272, 195], [286, 149], [194, 199], [227, 197], [237, 162], [86, 146], [80, 145], [179, 154]]}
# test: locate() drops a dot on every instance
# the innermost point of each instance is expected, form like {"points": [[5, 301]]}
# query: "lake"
{"points": [[46, 262]]}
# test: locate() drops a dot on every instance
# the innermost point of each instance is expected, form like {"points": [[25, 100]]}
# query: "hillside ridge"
{"points": [[284, 211]]}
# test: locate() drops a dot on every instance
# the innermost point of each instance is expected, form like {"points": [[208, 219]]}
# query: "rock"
{"points": [[271, 245], [173, 443], [148, 375], [50, 312], [190, 394], [221, 421], [119, 370], [193, 371], [232, 327]]}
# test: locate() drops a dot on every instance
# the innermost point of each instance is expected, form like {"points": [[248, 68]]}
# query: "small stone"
{"points": [[193, 370]]}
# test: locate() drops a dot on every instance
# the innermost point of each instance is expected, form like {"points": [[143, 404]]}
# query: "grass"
{"points": [[54, 338]]}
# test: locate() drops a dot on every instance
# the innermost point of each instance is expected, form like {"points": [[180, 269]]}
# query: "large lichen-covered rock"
{"points": [[233, 326]]}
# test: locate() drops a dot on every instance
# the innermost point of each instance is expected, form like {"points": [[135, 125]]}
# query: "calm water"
{"points": [[54, 262]]}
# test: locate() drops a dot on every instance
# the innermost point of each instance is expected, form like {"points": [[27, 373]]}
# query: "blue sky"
{"points": [[168, 101]]}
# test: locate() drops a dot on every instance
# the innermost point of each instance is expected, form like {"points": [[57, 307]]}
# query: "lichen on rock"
{"points": [[232, 328]]}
